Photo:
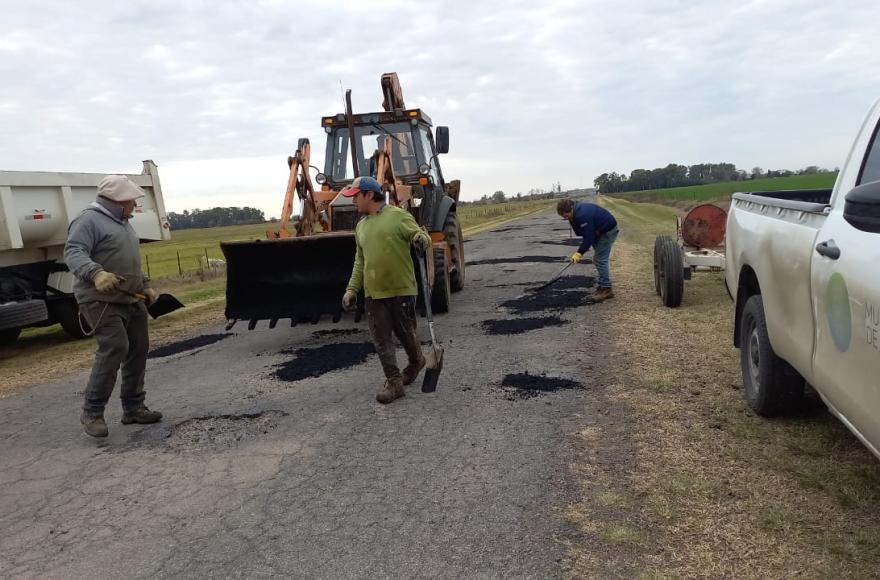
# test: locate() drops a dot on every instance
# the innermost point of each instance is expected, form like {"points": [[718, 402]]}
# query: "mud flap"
{"points": [[297, 278]]}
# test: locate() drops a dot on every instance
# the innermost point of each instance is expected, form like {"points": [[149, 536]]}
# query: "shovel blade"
{"points": [[433, 367], [164, 304]]}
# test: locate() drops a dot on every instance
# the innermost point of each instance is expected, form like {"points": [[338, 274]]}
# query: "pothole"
{"points": [[221, 430], [510, 229], [521, 386], [573, 242], [314, 362], [517, 260], [188, 344], [506, 326], [334, 332]]}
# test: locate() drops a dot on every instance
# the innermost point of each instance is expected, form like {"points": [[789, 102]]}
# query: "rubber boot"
{"points": [[391, 390]]}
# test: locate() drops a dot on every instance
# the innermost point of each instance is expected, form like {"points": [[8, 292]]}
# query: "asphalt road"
{"points": [[251, 476]]}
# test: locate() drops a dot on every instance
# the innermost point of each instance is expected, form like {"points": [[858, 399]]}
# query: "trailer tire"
{"points": [[670, 271], [8, 336], [66, 312], [441, 293], [452, 231], [770, 385]]}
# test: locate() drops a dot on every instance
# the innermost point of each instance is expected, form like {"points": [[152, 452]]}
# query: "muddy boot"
{"points": [[603, 294], [412, 370], [141, 415], [94, 425], [393, 389]]}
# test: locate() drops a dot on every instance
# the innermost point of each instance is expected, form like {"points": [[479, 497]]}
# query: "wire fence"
{"points": [[180, 262]]}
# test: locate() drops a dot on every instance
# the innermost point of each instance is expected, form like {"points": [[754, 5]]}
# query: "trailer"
{"points": [[699, 245], [36, 208]]}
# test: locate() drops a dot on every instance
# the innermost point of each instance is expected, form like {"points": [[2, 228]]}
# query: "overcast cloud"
{"points": [[218, 92]]}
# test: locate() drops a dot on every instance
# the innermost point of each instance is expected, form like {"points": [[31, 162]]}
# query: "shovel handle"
{"points": [[427, 299]]}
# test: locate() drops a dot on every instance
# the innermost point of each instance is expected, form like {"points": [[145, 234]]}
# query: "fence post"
{"points": [[207, 263], [179, 268], [148, 266]]}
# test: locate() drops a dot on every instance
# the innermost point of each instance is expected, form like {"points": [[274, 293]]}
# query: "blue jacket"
{"points": [[591, 221]]}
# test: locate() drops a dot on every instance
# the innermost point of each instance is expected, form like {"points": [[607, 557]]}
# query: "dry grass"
{"points": [[720, 492]]}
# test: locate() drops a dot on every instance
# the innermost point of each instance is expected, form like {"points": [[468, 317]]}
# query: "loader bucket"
{"points": [[297, 278]]}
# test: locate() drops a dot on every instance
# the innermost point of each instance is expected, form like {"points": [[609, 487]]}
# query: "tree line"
{"points": [[674, 175], [217, 216]]}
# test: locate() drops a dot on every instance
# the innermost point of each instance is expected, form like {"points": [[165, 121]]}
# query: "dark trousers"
{"points": [[123, 340], [395, 316]]}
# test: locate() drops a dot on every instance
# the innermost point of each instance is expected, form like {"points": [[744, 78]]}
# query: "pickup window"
{"points": [[871, 169]]}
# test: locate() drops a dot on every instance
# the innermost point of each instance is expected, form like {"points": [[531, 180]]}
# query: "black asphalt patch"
{"points": [[333, 332], [570, 283], [547, 299], [525, 386], [520, 325], [517, 260], [572, 242], [314, 362], [510, 229], [185, 345], [221, 430]]}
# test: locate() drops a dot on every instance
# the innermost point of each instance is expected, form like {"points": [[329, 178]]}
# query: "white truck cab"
{"points": [[804, 270]]}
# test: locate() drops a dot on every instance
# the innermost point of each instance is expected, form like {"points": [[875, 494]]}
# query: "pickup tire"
{"points": [[770, 385], [668, 271]]}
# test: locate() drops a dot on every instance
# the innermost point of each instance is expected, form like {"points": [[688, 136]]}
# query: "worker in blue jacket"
{"points": [[598, 228]]}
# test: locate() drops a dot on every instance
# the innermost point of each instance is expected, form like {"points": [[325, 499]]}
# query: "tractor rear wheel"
{"points": [[441, 293], [452, 231]]}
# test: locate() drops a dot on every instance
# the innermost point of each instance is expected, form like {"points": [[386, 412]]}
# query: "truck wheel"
{"points": [[771, 385], [66, 312], [8, 336], [657, 265], [441, 293], [452, 230], [670, 271]]}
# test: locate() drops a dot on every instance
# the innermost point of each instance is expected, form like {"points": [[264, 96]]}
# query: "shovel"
{"points": [[553, 279], [163, 304], [434, 363]]}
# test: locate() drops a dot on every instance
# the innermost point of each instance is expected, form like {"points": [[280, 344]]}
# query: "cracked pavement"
{"points": [[460, 483]]}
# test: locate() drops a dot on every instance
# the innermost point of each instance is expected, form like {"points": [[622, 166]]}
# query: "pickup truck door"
{"points": [[846, 285]]}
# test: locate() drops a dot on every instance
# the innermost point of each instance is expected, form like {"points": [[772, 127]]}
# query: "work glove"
{"points": [[150, 295], [422, 243], [349, 300], [106, 281], [576, 258]]}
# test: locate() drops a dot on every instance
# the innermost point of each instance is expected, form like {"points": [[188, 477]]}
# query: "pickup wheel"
{"points": [[668, 271], [771, 385], [8, 336]]}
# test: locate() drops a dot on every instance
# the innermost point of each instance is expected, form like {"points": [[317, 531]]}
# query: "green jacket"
{"points": [[383, 266]]}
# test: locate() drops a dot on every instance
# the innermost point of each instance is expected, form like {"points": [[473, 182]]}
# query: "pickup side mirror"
{"points": [[442, 140], [862, 207]]}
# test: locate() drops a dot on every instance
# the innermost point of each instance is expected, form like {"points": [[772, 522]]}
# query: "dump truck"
{"points": [[36, 208], [301, 270]]}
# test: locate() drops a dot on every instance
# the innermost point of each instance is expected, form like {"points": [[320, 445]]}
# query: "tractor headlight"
{"points": [[424, 169], [321, 179]]}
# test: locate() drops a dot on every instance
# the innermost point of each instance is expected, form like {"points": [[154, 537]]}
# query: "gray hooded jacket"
{"points": [[101, 239]]}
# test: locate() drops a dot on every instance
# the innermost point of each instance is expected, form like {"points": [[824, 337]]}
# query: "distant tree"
{"points": [[498, 197]]}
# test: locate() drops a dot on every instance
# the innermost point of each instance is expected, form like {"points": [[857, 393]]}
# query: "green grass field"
{"points": [[187, 250], [714, 191]]}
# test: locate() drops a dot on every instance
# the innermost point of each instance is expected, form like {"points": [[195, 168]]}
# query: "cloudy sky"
{"points": [[218, 92]]}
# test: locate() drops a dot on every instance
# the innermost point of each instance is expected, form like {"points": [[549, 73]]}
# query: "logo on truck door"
{"points": [[839, 313]]}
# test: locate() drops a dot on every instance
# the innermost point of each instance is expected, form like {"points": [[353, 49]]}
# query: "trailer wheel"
{"points": [[66, 312], [452, 230], [8, 336], [670, 271], [771, 385], [441, 293]]}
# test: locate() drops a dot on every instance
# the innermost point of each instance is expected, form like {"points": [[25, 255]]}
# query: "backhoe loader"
{"points": [[300, 271]]}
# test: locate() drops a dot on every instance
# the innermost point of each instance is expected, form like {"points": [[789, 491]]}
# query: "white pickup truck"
{"points": [[36, 208], [804, 270]]}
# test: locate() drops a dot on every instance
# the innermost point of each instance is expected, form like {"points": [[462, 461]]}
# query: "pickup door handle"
{"points": [[828, 249]]}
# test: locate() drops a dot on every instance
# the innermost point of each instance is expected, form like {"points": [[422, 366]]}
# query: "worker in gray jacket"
{"points": [[102, 253]]}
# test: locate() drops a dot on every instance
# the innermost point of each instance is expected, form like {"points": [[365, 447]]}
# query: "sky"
{"points": [[534, 93]]}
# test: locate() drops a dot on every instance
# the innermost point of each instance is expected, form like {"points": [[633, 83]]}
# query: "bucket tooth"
{"points": [[336, 317], [273, 322], [230, 323], [292, 322], [252, 323]]}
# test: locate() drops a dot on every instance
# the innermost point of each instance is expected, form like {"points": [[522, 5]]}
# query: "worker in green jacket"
{"points": [[383, 267]]}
